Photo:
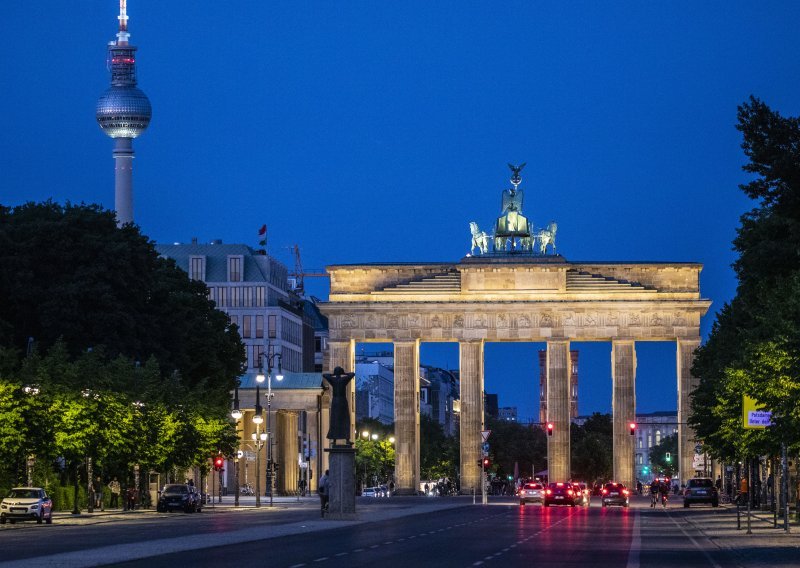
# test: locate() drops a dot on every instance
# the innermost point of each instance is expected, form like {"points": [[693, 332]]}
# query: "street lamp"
{"points": [[257, 420], [236, 414], [270, 357]]}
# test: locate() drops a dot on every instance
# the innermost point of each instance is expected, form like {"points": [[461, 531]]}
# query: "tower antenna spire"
{"points": [[122, 34]]}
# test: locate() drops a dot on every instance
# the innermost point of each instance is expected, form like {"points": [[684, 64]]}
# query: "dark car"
{"points": [[700, 490], [179, 496], [26, 504], [532, 492], [561, 494], [615, 494]]}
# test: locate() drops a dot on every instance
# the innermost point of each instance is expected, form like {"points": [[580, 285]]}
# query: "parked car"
{"points": [[561, 494], [179, 496], [700, 490], [615, 494], [532, 492], [26, 504]]}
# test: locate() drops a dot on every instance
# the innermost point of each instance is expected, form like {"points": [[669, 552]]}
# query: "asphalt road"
{"points": [[499, 534]]}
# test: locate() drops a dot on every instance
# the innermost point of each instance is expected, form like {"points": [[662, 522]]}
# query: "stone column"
{"points": [[558, 399], [686, 384], [340, 354], [406, 417], [623, 404], [471, 370], [287, 451]]}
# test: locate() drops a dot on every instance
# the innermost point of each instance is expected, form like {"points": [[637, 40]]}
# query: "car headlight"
{"points": [[34, 506], [3, 506]]}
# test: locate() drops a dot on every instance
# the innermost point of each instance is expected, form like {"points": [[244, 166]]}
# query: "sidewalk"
{"points": [[766, 546]]}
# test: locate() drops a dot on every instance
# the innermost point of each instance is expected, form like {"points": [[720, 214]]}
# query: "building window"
{"points": [[258, 354], [658, 437], [272, 329], [649, 440], [197, 267], [259, 327], [248, 296], [236, 297], [640, 443], [222, 294], [260, 296], [247, 326], [212, 294], [234, 320], [639, 459], [235, 269]]}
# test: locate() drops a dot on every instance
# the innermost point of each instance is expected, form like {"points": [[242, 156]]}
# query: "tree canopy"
{"points": [[754, 345]]}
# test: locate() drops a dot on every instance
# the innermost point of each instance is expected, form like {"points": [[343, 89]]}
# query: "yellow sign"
{"points": [[753, 414]]}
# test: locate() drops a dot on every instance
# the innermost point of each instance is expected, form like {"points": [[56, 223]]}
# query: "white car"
{"points": [[26, 504]]}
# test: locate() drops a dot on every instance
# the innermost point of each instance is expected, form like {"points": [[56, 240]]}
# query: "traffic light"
{"points": [[486, 463], [667, 457], [550, 427], [219, 461], [645, 470], [632, 426]]}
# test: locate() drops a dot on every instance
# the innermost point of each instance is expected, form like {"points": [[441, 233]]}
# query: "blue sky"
{"points": [[375, 131]]}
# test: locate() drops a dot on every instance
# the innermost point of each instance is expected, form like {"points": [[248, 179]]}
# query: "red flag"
{"points": [[262, 230]]}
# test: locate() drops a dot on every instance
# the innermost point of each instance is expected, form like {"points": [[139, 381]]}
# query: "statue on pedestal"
{"points": [[340, 428], [512, 224]]}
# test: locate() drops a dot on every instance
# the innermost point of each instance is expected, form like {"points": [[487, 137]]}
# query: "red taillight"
{"points": [[569, 491], [605, 491], [549, 492], [624, 491]]}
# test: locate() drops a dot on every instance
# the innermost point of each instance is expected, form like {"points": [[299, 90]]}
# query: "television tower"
{"points": [[123, 112]]}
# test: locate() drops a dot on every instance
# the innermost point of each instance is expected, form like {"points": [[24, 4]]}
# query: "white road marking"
{"points": [[323, 559], [359, 550], [375, 546], [342, 554], [297, 565], [636, 542]]}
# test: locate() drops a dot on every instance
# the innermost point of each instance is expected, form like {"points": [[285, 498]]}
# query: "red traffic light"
{"points": [[550, 427], [633, 428], [486, 463], [219, 461]]}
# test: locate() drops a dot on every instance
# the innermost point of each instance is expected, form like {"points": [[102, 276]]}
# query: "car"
{"points": [[179, 496], [26, 504], [700, 490], [559, 493], [532, 492], [585, 493], [614, 493]]}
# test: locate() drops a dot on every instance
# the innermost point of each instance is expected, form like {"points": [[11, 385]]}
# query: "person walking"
{"points": [[97, 489], [115, 492], [323, 491]]}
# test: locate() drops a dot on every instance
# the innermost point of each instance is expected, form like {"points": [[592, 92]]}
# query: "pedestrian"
{"points": [[638, 487], [97, 488], [130, 498], [391, 488], [323, 490], [743, 491], [115, 491]]}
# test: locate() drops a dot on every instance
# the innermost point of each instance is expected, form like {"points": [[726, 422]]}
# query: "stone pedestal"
{"points": [[471, 423], [558, 398], [623, 404], [341, 484], [406, 417]]}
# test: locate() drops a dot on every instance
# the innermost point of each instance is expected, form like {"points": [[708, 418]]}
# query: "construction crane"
{"points": [[299, 274]]}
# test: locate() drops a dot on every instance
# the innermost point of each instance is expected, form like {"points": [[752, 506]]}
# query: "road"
{"points": [[499, 534]]}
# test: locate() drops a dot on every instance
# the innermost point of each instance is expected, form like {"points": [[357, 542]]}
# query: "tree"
{"points": [[514, 444], [754, 344], [68, 274], [439, 453], [591, 447], [658, 456]]}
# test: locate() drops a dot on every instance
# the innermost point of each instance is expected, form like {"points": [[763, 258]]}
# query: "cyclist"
{"points": [[654, 487], [663, 490]]}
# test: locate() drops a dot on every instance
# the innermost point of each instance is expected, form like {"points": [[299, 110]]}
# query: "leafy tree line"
{"points": [[754, 345], [107, 350]]}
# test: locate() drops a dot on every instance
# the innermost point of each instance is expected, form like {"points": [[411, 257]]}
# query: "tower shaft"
{"points": [[123, 180]]}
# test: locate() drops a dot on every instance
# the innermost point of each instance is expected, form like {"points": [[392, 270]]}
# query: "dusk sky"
{"points": [[376, 131]]}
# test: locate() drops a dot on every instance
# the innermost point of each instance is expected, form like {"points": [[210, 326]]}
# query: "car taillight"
{"points": [[624, 491], [569, 491], [549, 492], [605, 491]]}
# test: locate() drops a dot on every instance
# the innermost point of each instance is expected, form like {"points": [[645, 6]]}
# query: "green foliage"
{"points": [[374, 458], [517, 444], [658, 456], [591, 447], [754, 345], [68, 275], [439, 453]]}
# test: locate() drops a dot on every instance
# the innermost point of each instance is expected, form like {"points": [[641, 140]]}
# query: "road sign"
{"points": [[485, 448], [698, 449], [485, 434], [240, 454]]}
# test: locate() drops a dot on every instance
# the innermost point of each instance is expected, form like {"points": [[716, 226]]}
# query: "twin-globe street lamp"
{"points": [[260, 438], [374, 437]]}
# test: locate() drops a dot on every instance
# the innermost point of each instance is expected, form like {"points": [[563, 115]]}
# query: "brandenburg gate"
{"points": [[515, 293]]}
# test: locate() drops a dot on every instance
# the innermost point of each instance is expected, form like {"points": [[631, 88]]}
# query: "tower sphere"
{"points": [[123, 112]]}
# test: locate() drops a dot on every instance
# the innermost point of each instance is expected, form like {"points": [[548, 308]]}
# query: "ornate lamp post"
{"points": [[260, 379], [236, 414], [258, 439]]}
